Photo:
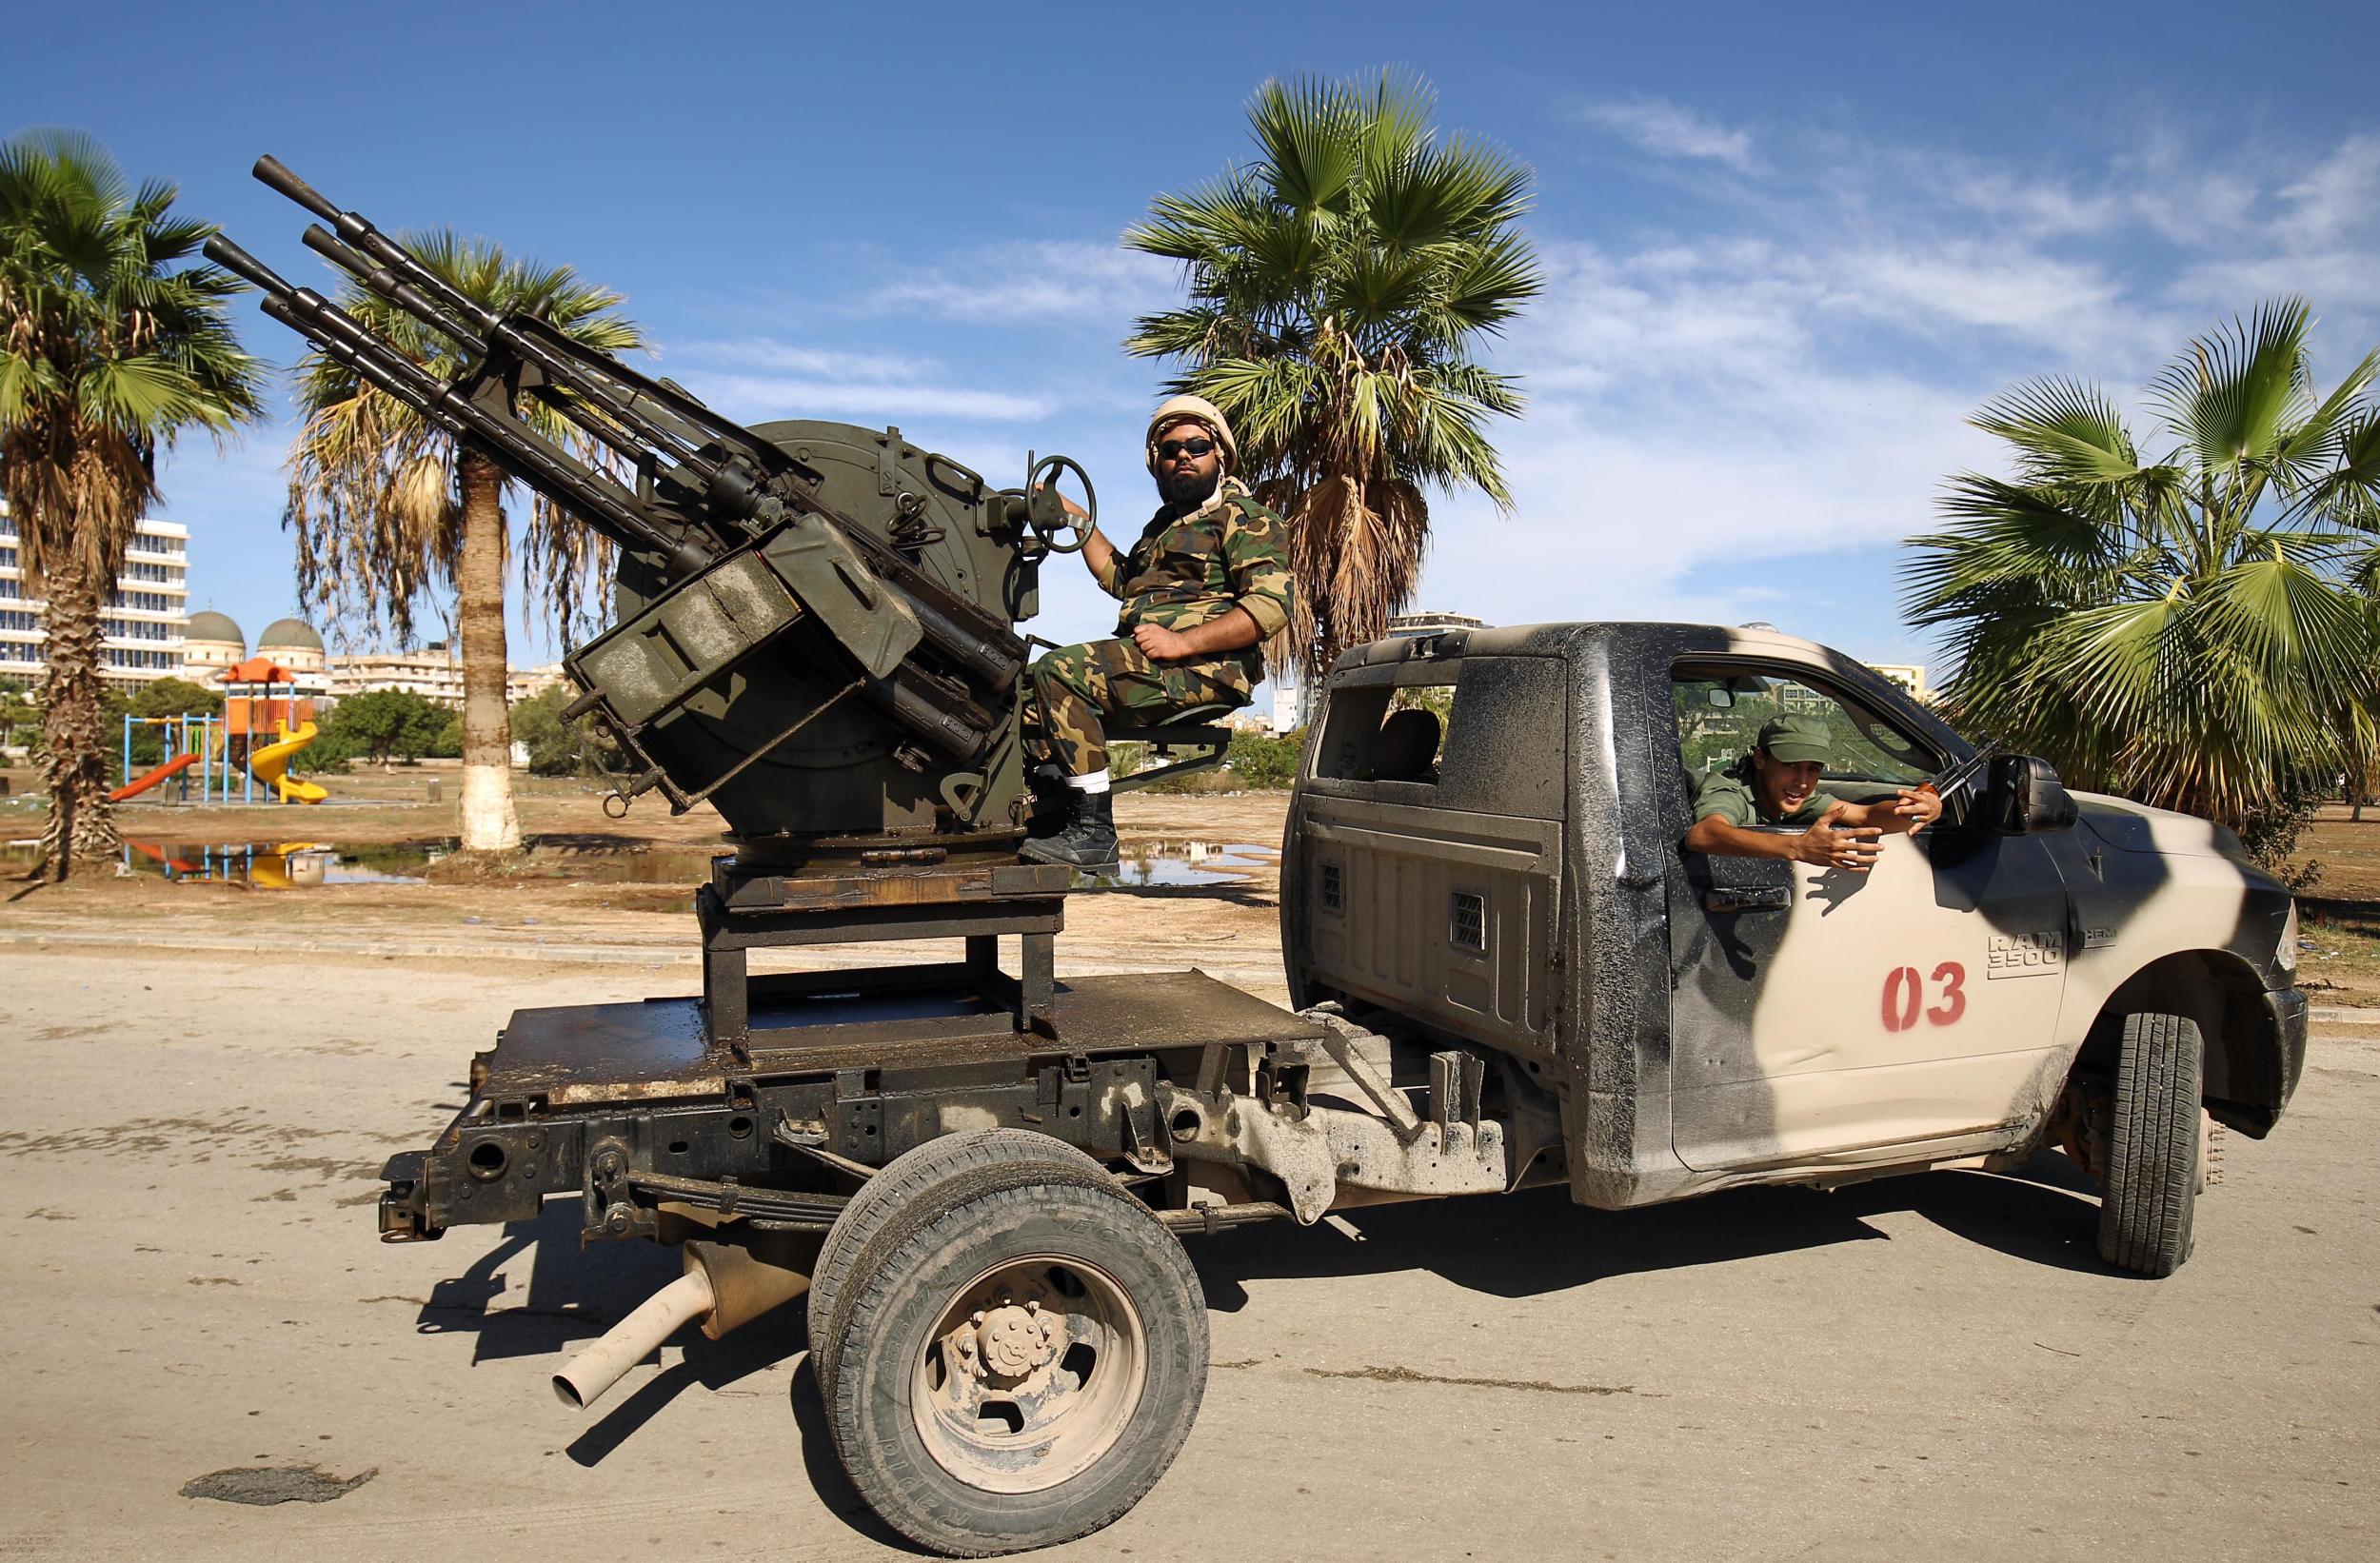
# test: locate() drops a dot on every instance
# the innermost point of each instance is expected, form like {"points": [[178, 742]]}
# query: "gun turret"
{"points": [[815, 620]]}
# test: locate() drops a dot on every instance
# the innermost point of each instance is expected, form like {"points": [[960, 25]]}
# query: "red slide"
{"points": [[172, 767]]}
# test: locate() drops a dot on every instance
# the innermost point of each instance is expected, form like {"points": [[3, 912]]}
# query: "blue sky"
{"points": [[1787, 250]]}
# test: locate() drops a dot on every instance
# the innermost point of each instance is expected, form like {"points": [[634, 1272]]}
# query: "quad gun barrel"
{"points": [[773, 611]]}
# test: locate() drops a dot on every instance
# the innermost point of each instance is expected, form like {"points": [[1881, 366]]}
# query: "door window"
{"points": [[1721, 712]]}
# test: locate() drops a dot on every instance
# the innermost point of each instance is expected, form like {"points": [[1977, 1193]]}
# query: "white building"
{"points": [[1910, 676], [143, 619], [434, 672]]}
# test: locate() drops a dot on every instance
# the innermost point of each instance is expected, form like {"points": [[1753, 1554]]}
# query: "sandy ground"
{"points": [[2340, 911], [1919, 1367], [567, 904]]}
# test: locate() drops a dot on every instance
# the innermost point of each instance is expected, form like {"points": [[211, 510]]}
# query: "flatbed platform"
{"points": [[886, 1019]]}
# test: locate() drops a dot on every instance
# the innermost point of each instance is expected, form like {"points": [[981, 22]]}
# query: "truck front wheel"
{"points": [[2154, 1146], [1018, 1354]]}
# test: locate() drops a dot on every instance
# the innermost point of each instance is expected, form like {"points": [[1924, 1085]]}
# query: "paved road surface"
{"points": [[1924, 1367]]}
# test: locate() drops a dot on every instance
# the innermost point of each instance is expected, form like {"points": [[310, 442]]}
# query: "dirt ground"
{"points": [[569, 900], [2339, 913], [1919, 1367], [206, 1080]]}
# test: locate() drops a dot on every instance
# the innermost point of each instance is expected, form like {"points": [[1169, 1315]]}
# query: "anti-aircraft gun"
{"points": [[816, 635], [816, 629], [816, 623]]}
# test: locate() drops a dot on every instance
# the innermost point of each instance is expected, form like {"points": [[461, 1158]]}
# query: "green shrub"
{"points": [[381, 725], [563, 748], [159, 698]]}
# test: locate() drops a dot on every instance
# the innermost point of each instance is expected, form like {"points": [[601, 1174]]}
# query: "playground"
{"points": [[263, 729]]}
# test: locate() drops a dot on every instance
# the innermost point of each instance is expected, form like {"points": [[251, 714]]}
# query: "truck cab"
{"points": [[1484, 850]]}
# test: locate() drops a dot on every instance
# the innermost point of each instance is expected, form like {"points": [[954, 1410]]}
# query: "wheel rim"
{"points": [[1031, 1375]]}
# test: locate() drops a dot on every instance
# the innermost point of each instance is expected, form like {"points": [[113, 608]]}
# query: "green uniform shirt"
{"points": [[1190, 568], [1725, 795]]}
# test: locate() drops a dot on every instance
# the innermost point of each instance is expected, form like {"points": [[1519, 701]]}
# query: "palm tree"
{"points": [[386, 507], [2192, 630], [1338, 288], [110, 350]]}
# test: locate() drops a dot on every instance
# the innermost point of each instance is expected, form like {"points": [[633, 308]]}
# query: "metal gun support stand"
{"points": [[752, 906]]}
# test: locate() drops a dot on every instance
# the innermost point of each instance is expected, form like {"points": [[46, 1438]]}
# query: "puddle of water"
{"points": [[1161, 863], [265, 865], [302, 865]]}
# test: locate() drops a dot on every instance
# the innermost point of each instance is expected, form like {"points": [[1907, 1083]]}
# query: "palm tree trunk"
{"points": [[489, 823], [73, 750]]}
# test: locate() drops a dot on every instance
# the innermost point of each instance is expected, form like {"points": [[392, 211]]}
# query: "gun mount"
{"points": [[816, 622]]}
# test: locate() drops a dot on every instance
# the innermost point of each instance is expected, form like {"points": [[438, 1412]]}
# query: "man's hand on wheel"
{"points": [[1853, 848], [1160, 645]]}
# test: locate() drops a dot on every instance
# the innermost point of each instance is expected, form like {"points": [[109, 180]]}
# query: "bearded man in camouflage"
{"points": [[1203, 587]]}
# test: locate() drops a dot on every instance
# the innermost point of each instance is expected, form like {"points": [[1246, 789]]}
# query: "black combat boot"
{"points": [[1053, 801], [1087, 844]]}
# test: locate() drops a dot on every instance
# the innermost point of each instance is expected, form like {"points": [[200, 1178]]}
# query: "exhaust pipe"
{"points": [[726, 1285], [585, 1376]]}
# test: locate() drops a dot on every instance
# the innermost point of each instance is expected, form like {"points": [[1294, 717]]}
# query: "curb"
{"points": [[2339, 1014]]}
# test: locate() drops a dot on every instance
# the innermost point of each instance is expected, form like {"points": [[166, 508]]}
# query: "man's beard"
{"points": [[1186, 490]]}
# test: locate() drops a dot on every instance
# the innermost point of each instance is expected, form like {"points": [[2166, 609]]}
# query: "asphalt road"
{"points": [[1923, 1367]]}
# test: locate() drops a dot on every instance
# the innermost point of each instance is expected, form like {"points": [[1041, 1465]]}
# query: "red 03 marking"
{"points": [[1905, 996]]}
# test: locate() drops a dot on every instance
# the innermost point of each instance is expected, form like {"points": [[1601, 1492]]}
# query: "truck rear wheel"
{"points": [[2155, 1146], [1016, 1354], [902, 1178]]}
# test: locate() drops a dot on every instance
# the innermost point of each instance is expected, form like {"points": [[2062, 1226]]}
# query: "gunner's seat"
{"points": [[1198, 728]]}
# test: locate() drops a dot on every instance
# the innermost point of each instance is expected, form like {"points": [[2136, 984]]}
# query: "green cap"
{"points": [[1793, 739]]}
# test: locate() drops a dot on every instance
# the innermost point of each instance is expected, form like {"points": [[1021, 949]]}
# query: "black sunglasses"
{"points": [[1168, 449]]}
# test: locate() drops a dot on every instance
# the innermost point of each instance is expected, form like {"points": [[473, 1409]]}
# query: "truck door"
{"points": [[1822, 1015]]}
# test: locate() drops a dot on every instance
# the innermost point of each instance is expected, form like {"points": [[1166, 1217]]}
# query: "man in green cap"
{"points": [[1777, 784], [1202, 588]]}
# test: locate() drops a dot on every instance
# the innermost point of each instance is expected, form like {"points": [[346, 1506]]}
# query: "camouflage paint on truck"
{"points": [[1706, 1021]]}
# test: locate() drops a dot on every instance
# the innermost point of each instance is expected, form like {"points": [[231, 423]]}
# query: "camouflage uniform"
{"points": [[1185, 570]]}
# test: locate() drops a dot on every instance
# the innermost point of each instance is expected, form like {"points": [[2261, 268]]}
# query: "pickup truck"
{"points": [[1506, 972]]}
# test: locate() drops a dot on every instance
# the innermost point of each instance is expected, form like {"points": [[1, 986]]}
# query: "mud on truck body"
{"points": [[1506, 972]]}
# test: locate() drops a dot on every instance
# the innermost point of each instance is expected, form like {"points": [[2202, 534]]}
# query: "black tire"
{"points": [[902, 1178], [1019, 1210], [2154, 1146]]}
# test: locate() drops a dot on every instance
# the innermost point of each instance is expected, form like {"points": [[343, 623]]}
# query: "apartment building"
{"points": [[144, 620], [434, 672]]}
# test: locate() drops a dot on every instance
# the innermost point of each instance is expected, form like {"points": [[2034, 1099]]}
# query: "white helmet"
{"points": [[1193, 409]]}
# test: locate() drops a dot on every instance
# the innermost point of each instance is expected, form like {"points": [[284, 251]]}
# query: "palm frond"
{"points": [[1335, 289], [2065, 431], [2235, 389], [2155, 627]]}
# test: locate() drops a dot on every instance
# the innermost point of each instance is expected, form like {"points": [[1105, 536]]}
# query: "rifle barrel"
{"points": [[273, 171], [393, 288]]}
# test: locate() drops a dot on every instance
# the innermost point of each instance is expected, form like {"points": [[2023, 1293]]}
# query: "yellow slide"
{"points": [[271, 765]]}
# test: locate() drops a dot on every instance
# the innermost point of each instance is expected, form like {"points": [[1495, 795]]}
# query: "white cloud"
{"points": [[1794, 381], [759, 378], [1665, 129], [2036, 207], [1963, 283], [1062, 280], [2340, 196], [2316, 236], [792, 358], [758, 398]]}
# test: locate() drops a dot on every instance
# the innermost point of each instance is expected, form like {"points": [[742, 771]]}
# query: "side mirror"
{"points": [[2023, 797]]}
